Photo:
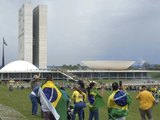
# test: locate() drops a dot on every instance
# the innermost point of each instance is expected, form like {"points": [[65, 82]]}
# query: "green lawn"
{"points": [[19, 100]]}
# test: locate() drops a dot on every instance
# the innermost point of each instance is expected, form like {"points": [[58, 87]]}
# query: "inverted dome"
{"points": [[108, 65], [19, 66]]}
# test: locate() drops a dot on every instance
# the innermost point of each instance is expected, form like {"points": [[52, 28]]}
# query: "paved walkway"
{"points": [[7, 113]]}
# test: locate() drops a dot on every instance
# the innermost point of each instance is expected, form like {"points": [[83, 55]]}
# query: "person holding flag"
{"points": [[53, 103], [95, 101], [118, 103]]}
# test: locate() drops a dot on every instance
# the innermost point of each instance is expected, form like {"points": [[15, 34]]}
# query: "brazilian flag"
{"points": [[95, 99], [56, 98], [99, 102], [122, 100]]}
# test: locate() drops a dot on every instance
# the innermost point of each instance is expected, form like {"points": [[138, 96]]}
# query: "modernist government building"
{"points": [[32, 51], [33, 35]]}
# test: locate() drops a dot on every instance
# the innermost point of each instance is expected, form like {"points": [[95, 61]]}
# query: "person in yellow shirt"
{"points": [[79, 98], [81, 86], [147, 101]]}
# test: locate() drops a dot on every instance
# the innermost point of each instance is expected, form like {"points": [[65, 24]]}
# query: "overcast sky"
{"points": [[80, 30]]}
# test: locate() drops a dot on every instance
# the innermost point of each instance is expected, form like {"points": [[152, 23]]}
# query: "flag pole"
{"points": [[4, 43], [3, 54]]}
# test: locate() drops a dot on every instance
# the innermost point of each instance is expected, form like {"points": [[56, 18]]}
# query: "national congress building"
{"points": [[32, 35], [33, 55]]}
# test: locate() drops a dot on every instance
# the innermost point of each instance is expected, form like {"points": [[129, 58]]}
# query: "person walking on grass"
{"points": [[34, 97], [79, 99], [34, 100], [53, 101], [81, 86], [95, 101], [147, 101], [118, 103]]}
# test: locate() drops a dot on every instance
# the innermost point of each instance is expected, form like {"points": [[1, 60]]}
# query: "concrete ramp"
{"points": [[7, 113]]}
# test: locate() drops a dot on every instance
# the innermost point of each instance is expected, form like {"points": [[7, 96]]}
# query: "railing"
{"points": [[68, 76]]}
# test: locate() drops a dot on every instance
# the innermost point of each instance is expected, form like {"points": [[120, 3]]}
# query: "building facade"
{"points": [[25, 33], [40, 36], [33, 35]]}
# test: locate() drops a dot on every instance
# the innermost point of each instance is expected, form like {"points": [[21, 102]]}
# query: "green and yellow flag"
{"points": [[56, 98], [122, 100], [99, 102]]}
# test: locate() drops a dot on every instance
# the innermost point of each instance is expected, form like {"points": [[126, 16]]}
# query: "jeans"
{"points": [[48, 116], [78, 108], [93, 114], [34, 101], [147, 112]]}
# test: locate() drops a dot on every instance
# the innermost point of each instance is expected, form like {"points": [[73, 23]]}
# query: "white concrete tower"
{"points": [[40, 36], [25, 33]]}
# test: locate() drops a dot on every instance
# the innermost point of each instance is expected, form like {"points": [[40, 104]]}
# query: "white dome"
{"points": [[19, 66], [108, 65]]}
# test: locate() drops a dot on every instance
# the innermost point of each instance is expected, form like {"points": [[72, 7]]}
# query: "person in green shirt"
{"points": [[95, 101]]}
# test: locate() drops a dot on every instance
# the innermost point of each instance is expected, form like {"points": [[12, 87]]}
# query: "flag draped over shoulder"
{"points": [[99, 102], [48, 104], [96, 101], [122, 101], [56, 98]]}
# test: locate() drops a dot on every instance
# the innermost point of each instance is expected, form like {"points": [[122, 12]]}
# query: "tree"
{"points": [[145, 66]]}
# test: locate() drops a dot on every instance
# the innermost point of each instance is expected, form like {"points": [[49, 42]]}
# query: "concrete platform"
{"points": [[7, 113]]}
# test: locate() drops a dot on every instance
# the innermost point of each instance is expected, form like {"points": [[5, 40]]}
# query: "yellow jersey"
{"points": [[78, 97], [146, 99]]}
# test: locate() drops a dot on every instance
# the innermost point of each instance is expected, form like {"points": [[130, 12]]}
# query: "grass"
{"points": [[19, 100]]}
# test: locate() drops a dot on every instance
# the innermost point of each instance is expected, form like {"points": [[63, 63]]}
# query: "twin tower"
{"points": [[32, 35]]}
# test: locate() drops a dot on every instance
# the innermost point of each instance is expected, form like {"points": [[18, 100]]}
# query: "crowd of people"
{"points": [[56, 104]]}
